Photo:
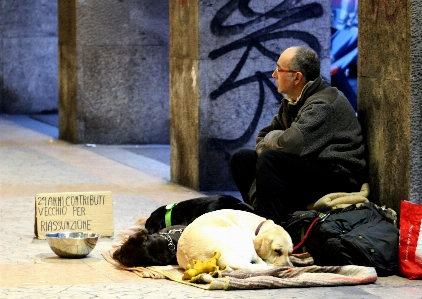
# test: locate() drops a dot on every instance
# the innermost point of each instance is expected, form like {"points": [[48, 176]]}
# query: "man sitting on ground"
{"points": [[313, 146]]}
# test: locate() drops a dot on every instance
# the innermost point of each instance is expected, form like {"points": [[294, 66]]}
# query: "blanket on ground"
{"points": [[280, 277]]}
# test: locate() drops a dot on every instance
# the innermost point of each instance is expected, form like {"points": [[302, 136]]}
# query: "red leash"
{"points": [[300, 244]]}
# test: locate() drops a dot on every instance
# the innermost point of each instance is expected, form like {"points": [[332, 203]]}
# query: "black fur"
{"points": [[142, 249], [187, 211]]}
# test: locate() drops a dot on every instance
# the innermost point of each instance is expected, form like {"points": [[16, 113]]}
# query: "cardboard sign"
{"points": [[74, 212]]}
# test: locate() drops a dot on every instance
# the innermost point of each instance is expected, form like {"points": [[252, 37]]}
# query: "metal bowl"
{"points": [[72, 244]]}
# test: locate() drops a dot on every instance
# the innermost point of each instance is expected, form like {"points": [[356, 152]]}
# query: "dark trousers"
{"points": [[284, 183]]}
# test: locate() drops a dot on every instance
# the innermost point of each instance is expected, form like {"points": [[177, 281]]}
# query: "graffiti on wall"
{"points": [[284, 14]]}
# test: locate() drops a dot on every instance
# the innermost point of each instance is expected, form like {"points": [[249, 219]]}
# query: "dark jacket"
{"points": [[321, 126]]}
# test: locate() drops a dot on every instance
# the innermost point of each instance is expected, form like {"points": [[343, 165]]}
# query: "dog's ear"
{"points": [[262, 242], [155, 221], [136, 239], [128, 252], [261, 246], [154, 252], [142, 234], [134, 252]]}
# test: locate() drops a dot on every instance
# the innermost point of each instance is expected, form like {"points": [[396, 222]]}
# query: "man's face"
{"points": [[283, 75]]}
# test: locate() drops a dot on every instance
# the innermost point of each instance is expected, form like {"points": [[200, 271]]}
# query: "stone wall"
{"points": [[28, 56], [222, 55], [114, 85]]}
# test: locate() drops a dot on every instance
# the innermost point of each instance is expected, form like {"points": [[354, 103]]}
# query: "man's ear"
{"points": [[298, 78]]}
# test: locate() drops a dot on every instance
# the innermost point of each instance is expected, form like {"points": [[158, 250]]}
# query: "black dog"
{"points": [[187, 211], [142, 249]]}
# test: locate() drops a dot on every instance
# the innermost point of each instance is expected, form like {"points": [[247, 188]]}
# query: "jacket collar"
{"points": [[309, 89]]}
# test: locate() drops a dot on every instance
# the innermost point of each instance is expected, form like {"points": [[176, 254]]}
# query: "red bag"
{"points": [[410, 244]]}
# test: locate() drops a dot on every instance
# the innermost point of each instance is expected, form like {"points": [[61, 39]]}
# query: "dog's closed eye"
{"points": [[278, 251]]}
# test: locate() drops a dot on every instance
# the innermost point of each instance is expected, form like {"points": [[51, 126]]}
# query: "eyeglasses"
{"points": [[284, 71]]}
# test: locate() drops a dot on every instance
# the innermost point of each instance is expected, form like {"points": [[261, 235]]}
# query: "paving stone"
{"points": [[30, 269]]}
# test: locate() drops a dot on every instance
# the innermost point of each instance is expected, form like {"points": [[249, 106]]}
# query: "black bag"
{"points": [[350, 236], [298, 223]]}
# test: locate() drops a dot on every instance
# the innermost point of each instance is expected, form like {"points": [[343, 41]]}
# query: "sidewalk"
{"points": [[34, 161]]}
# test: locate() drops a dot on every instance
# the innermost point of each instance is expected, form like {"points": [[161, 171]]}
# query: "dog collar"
{"points": [[167, 217], [170, 245], [259, 227], [166, 236]]}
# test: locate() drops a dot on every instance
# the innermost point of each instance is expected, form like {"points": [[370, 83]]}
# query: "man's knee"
{"points": [[241, 156], [235, 157], [269, 158]]}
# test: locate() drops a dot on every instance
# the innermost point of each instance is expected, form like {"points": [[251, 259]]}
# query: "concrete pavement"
{"points": [[34, 161]]}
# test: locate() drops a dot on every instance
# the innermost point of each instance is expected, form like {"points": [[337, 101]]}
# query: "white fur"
{"points": [[232, 233]]}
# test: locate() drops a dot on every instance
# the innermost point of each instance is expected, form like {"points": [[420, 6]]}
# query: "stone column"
{"points": [[113, 71], [389, 97], [222, 55]]}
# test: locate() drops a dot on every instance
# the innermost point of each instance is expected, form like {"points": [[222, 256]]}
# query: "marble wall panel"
{"points": [[29, 74], [125, 95], [238, 44], [122, 71], [29, 56]]}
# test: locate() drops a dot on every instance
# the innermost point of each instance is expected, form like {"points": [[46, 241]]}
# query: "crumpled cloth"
{"points": [[279, 277], [341, 199]]}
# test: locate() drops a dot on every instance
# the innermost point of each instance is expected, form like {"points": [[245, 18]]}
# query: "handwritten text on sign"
{"points": [[82, 211]]}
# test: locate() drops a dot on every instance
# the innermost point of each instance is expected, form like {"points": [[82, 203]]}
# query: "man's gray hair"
{"points": [[307, 62]]}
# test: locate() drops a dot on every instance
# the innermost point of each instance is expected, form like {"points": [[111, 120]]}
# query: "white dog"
{"points": [[245, 241]]}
